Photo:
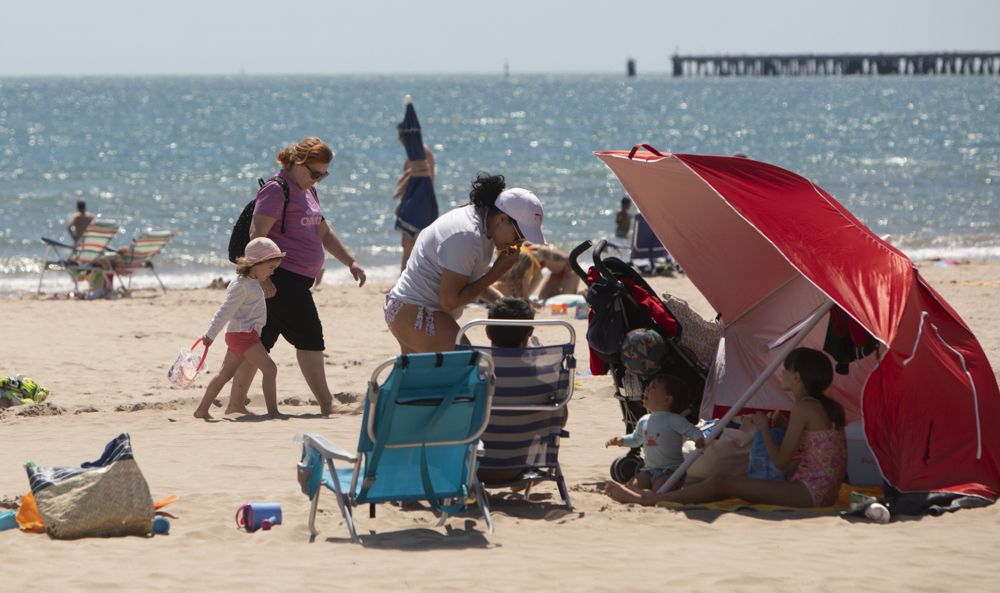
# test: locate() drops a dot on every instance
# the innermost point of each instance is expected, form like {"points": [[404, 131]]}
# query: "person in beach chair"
{"points": [[534, 385], [84, 260], [419, 435], [139, 256]]}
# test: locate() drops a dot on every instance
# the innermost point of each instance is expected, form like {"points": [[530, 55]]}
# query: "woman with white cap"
{"points": [[450, 263]]}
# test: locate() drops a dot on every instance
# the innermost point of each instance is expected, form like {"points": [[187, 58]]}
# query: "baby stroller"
{"points": [[621, 300]]}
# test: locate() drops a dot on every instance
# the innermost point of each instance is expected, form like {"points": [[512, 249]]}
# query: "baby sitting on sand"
{"points": [[661, 432]]}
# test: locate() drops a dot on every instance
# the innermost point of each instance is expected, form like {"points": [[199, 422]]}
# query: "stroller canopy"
{"points": [[766, 247]]}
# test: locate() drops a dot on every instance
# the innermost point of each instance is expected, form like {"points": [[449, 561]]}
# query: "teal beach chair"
{"points": [[419, 437]]}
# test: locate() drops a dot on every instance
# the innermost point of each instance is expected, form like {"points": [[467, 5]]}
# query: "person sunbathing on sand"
{"points": [[816, 424]]}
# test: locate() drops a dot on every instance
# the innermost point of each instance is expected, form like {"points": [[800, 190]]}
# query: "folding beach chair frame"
{"points": [[71, 262], [353, 496], [141, 259], [569, 363]]}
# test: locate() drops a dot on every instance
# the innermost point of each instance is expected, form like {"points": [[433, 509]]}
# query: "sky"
{"points": [[141, 37]]}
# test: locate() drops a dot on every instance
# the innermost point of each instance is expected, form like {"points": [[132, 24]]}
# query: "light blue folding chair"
{"points": [[419, 435], [533, 386]]}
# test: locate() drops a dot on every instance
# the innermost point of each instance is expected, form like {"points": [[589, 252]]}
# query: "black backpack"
{"points": [[241, 230]]}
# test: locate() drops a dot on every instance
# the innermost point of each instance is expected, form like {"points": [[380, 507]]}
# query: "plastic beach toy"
{"points": [[186, 366], [258, 515], [8, 520], [571, 300], [161, 526]]}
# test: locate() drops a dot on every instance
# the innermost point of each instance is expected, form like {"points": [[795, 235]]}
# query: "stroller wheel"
{"points": [[625, 468]]}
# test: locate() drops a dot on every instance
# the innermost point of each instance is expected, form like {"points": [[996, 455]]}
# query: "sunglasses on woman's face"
{"points": [[517, 230], [316, 175]]}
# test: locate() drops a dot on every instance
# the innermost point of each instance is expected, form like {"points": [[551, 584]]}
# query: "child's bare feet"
{"points": [[204, 415], [622, 493], [277, 416], [241, 411]]}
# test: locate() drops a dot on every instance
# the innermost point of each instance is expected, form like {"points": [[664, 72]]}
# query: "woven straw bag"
{"points": [[107, 497]]}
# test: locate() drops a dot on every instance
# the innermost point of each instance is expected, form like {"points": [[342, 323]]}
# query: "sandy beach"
{"points": [[105, 364]]}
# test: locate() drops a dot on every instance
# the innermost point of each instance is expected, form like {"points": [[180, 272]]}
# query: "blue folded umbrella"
{"points": [[418, 207]]}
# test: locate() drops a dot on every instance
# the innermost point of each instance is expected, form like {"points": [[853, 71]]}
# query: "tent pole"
{"points": [[778, 359]]}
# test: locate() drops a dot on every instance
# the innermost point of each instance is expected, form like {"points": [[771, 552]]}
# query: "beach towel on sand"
{"points": [[735, 504], [107, 497]]}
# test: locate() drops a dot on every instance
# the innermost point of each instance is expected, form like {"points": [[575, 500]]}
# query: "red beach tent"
{"points": [[772, 253]]}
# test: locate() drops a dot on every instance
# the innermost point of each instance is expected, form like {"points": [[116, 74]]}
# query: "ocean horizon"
{"points": [[915, 158]]}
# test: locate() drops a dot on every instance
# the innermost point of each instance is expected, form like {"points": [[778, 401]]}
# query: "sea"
{"points": [[914, 158]]}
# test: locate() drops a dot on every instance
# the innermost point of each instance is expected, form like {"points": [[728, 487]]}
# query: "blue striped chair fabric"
{"points": [[533, 386]]}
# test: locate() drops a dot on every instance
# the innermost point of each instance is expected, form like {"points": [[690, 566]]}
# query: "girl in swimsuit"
{"points": [[815, 435]]}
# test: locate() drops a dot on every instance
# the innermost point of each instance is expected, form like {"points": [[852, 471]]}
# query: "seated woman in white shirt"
{"points": [[450, 263]]}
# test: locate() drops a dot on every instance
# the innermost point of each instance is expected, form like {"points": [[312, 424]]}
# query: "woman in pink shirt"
{"points": [[301, 231]]}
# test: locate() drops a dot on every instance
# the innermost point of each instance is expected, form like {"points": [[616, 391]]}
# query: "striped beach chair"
{"points": [[139, 256], [419, 436], [534, 385], [87, 256]]}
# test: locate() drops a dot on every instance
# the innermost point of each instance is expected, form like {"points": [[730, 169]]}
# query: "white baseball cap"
{"points": [[526, 210]]}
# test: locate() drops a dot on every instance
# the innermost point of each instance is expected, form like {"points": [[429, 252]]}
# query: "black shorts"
{"points": [[292, 313]]}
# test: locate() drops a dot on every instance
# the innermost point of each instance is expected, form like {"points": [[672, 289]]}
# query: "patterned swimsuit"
{"points": [[822, 465]]}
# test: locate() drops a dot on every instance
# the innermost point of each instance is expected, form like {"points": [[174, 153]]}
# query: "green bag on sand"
{"points": [[103, 498], [19, 390]]}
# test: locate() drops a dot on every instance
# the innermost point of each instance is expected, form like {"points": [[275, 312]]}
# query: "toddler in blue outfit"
{"points": [[661, 432]]}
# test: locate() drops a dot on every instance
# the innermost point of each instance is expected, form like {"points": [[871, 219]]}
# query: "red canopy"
{"points": [[766, 247]]}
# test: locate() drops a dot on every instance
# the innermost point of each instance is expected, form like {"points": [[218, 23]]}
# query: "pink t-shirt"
{"points": [[302, 217]]}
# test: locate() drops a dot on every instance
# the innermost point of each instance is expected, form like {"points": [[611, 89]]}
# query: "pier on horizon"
{"points": [[882, 64]]}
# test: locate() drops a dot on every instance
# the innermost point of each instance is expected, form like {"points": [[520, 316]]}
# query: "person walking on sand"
{"points": [[79, 221], [450, 263], [246, 313], [299, 229]]}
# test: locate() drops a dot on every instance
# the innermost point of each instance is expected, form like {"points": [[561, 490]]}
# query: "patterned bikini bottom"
{"points": [[425, 315]]}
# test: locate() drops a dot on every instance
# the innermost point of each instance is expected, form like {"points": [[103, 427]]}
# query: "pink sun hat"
{"points": [[261, 249]]}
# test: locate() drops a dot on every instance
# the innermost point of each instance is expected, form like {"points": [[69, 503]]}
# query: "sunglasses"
{"points": [[520, 236], [316, 175]]}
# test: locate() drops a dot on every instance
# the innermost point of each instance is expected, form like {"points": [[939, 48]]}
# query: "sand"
{"points": [[105, 363]]}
